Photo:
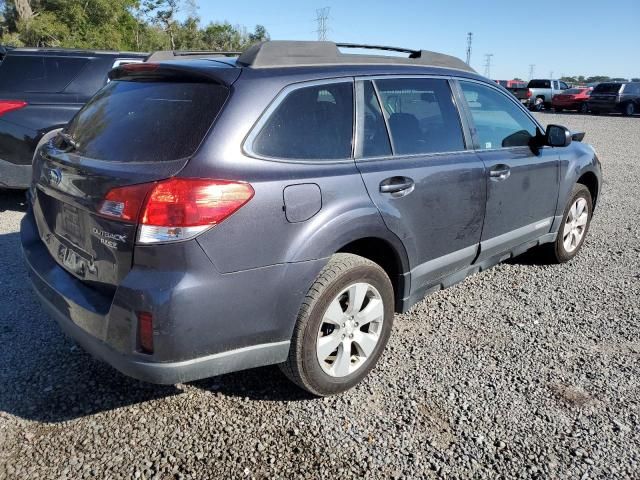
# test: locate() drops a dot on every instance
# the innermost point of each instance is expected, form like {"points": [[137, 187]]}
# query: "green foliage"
{"points": [[143, 25]]}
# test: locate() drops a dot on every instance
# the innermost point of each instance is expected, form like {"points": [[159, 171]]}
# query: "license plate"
{"points": [[71, 221]]}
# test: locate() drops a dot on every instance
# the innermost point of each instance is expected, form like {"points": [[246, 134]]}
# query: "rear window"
{"points": [[39, 74], [539, 84], [129, 121], [607, 88], [574, 91]]}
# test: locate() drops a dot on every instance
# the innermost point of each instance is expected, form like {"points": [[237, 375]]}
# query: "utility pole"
{"points": [[532, 67], [322, 18], [469, 40], [551, 74], [487, 64]]}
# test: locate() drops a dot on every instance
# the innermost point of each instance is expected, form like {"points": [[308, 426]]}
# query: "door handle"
{"points": [[397, 186], [500, 172]]}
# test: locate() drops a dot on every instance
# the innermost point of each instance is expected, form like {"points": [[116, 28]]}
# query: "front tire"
{"points": [[343, 326], [629, 109], [575, 225]]}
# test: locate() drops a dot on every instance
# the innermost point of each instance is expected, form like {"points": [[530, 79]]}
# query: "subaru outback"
{"points": [[207, 216]]}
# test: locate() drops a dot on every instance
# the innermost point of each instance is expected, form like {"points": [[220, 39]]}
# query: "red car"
{"points": [[572, 99]]}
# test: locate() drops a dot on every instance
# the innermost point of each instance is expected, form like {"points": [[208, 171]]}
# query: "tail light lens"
{"points": [[10, 105], [177, 208], [145, 332], [529, 93]]}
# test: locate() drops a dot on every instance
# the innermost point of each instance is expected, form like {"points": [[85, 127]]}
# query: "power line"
{"points": [[532, 68], [487, 64], [469, 40], [322, 18]]}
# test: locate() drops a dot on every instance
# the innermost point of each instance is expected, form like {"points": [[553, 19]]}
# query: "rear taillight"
{"points": [[529, 93], [177, 208], [145, 332], [10, 105]]}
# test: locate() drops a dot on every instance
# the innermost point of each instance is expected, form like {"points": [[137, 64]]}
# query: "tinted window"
{"points": [[607, 88], [421, 115], [130, 121], [574, 91], [564, 86], [310, 123], [499, 122], [39, 74], [539, 84], [375, 140]]}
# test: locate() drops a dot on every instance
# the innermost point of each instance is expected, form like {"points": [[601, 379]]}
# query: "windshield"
{"points": [[134, 121]]}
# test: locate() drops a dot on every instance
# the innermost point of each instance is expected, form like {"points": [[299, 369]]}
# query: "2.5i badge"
{"points": [[109, 239]]}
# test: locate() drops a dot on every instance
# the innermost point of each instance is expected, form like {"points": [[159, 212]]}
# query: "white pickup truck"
{"points": [[542, 91]]}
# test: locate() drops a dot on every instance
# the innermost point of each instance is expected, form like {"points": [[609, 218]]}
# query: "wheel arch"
{"points": [[589, 180], [388, 256]]}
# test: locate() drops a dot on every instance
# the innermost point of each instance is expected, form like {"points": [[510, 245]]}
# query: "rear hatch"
{"points": [[140, 128], [606, 93]]}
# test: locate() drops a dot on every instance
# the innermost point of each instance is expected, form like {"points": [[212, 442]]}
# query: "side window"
{"points": [[498, 121], [564, 86], [311, 123], [421, 115], [32, 73], [555, 85], [375, 140]]}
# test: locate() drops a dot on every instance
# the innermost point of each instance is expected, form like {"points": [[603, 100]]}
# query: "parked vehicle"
{"points": [[516, 87], [542, 91], [611, 97], [40, 91], [572, 99], [201, 217]]}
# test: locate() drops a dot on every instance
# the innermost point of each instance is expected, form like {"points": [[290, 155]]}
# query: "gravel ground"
{"points": [[524, 371]]}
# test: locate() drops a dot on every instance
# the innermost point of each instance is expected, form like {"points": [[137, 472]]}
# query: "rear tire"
{"points": [[574, 227], [343, 326], [584, 108]]}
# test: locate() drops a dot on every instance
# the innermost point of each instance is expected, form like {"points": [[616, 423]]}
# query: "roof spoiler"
{"points": [[285, 53], [163, 55]]}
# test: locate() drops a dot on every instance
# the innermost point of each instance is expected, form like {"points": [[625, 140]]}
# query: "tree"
{"points": [[141, 25]]}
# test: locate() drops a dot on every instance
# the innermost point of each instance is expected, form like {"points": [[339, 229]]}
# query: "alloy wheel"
{"points": [[350, 329], [575, 225]]}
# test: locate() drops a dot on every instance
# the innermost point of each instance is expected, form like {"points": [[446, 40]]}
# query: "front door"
{"points": [[522, 182], [428, 187]]}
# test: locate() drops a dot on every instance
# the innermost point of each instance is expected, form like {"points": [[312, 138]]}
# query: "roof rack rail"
{"points": [[286, 53], [161, 55]]}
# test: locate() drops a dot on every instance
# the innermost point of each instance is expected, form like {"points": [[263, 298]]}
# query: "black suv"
{"points": [[40, 91], [612, 97]]}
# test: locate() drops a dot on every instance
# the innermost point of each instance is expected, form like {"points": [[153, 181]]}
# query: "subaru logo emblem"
{"points": [[55, 176]]}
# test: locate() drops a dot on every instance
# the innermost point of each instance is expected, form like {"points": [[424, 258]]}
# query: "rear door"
{"points": [[428, 187], [131, 132], [522, 182]]}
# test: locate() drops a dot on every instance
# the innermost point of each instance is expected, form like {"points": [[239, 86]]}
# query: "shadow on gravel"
{"points": [[44, 376], [265, 383], [532, 257], [13, 200]]}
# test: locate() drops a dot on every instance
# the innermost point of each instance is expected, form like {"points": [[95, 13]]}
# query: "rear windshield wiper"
{"points": [[69, 140]]}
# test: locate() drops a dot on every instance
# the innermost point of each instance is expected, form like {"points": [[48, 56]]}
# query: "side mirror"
{"points": [[557, 136]]}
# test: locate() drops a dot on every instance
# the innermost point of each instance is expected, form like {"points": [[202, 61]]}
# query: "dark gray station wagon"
{"points": [[200, 217]]}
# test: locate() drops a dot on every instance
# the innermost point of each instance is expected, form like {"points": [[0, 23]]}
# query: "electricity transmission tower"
{"points": [[487, 64], [532, 68], [469, 40], [322, 18]]}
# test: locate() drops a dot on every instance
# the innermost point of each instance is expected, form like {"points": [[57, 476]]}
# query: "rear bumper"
{"points": [[195, 336], [14, 176], [604, 106]]}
